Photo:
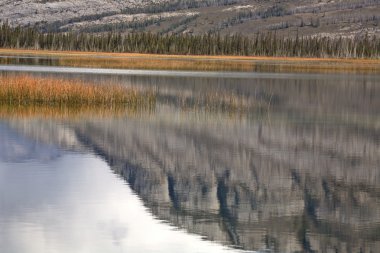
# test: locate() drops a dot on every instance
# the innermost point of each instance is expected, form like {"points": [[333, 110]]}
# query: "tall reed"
{"points": [[30, 90]]}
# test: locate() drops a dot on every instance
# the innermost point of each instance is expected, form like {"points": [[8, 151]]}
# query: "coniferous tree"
{"points": [[268, 44]]}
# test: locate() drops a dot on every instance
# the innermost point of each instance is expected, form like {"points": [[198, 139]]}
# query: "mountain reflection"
{"points": [[255, 186], [300, 176]]}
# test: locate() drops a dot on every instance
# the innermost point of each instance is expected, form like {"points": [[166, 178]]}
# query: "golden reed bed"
{"points": [[29, 90], [29, 96]]}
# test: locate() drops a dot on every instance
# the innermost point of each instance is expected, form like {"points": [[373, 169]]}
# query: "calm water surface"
{"points": [[224, 162]]}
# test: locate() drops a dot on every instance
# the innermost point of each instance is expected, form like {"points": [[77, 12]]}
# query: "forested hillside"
{"points": [[264, 44], [347, 18]]}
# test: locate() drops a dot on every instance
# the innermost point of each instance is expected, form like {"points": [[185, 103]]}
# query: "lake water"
{"points": [[224, 162]]}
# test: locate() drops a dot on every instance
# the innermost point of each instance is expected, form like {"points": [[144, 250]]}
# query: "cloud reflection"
{"points": [[18, 148], [76, 204]]}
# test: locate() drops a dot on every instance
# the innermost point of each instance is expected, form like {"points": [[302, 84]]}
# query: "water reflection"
{"points": [[29, 60], [15, 149], [295, 171], [255, 185], [73, 203]]}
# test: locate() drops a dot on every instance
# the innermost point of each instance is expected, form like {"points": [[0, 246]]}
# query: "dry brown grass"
{"points": [[204, 64], [156, 64], [207, 63], [29, 90], [158, 56]]}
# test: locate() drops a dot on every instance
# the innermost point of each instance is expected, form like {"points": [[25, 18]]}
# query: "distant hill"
{"points": [[331, 18]]}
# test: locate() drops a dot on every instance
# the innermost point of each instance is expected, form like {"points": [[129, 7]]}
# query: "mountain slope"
{"points": [[288, 18]]}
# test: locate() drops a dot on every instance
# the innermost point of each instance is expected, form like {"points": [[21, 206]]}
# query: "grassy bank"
{"points": [[66, 53], [29, 90], [190, 62]]}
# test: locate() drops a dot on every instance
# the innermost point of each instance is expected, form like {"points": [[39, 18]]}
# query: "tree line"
{"points": [[265, 44]]}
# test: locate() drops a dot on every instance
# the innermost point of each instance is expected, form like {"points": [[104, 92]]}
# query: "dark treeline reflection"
{"points": [[299, 174], [29, 60]]}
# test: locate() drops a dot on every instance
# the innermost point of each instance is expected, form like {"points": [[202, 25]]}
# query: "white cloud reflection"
{"points": [[16, 148], [76, 204]]}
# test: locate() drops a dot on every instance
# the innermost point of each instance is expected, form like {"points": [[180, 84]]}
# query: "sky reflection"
{"points": [[14, 148], [74, 203]]}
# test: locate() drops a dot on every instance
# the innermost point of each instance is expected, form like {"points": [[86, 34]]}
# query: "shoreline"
{"points": [[177, 57], [219, 63]]}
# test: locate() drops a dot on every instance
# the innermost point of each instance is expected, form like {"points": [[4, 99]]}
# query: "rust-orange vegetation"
{"points": [[158, 56], [29, 90], [201, 62]]}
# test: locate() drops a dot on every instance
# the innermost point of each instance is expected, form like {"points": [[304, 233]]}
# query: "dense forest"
{"points": [[264, 44]]}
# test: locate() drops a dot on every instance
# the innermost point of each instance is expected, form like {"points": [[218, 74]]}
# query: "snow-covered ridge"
{"points": [[29, 12], [239, 7], [124, 18], [248, 17]]}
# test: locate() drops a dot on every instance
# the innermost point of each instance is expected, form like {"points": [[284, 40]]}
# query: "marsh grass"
{"points": [[201, 63], [225, 64], [28, 90]]}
